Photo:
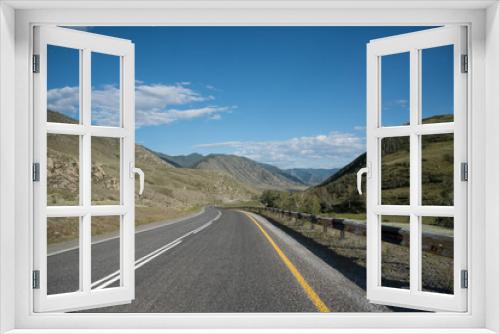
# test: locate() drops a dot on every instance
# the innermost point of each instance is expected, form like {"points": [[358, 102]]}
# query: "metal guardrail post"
{"points": [[342, 234]]}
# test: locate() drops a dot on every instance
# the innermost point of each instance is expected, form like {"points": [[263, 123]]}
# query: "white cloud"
{"points": [[148, 118], [154, 103], [65, 99], [105, 106], [395, 104], [360, 128], [322, 151], [159, 96]]}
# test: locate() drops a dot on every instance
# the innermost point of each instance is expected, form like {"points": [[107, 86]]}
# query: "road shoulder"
{"points": [[339, 293]]}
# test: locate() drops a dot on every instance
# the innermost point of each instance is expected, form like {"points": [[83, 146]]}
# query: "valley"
{"points": [[178, 185]]}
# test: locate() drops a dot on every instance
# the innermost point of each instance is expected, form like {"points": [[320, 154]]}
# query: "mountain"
{"points": [[338, 193], [182, 161], [168, 191], [287, 179], [57, 117], [311, 176], [255, 174]]}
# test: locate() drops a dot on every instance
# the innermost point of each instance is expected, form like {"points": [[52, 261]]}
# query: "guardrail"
{"points": [[434, 243]]}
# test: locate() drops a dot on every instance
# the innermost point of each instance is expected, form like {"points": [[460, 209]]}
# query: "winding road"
{"points": [[220, 260]]}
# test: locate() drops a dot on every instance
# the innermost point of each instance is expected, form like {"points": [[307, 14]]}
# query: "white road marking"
{"points": [[146, 229], [116, 275], [113, 277]]}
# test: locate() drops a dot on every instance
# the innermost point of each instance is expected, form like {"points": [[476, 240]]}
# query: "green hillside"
{"points": [[338, 194]]}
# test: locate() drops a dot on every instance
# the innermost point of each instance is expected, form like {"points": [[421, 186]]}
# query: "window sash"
{"points": [[414, 43], [85, 297]]}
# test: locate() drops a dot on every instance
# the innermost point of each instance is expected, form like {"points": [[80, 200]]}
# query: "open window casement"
{"points": [[71, 114], [405, 59]]}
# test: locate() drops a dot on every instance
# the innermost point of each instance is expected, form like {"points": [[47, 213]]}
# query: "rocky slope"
{"points": [[252, 173]]}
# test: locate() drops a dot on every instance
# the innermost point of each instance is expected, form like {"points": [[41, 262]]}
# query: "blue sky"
{"points": [[289, 96]]}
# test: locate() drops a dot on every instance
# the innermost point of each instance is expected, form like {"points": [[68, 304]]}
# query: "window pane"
{"points": [[395, 250], [395, 171], [437, 169], [437, 84], [63, 255], [63, 84], [105, 90], [105, 252], [395, 89], [63, 170], [105, 170], [437, 254]]}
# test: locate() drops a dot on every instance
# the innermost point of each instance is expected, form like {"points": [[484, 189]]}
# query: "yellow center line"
{"points": [[313, 296]]}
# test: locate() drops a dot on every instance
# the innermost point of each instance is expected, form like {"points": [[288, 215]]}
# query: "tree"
{"points": [[311, 204], [270, 198]]}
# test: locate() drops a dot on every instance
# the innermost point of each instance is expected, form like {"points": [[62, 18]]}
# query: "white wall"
{"points": [[492, 201], [7, 175], [7, 149]]}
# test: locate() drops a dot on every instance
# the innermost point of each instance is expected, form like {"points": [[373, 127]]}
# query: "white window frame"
{"points": [[16, 20], [413, 44], [85, 44]]}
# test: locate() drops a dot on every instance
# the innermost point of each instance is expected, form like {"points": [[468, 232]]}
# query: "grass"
{"points": [[242, 204], [147, 215], [437, 171], [345, 215], [437, 225], [62, 229]]}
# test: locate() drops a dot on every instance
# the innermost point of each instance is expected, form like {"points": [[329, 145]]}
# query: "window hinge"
{"points": [[36, 63], [465, 64], [464, 171], [464, 278], [36, 172], [36, 279]]}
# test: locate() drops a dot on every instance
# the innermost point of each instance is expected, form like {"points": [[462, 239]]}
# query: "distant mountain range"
{"points": [[311, 176], [256, 174], [181, 161]]}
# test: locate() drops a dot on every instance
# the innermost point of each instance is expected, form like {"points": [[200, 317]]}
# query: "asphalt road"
{"points": [[219, 261]]}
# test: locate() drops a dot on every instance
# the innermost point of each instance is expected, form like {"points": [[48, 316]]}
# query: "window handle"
{"points": [[133, 171], [362, 171]]}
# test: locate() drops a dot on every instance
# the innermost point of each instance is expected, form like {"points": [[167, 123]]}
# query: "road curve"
{"points": [[226, 261]]}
